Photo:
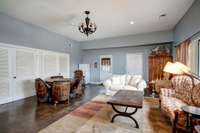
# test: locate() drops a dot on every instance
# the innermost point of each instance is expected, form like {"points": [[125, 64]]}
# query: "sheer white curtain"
{"points": [[193, 57]]}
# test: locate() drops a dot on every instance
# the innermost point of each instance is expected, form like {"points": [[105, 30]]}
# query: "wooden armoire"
{"points": [[157, 62]]}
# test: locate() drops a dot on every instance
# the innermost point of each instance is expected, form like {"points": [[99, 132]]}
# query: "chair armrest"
{"points": [[107, 84], [167, 92], [141, 85], [162, 84]]}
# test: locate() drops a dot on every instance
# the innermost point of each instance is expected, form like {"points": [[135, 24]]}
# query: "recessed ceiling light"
{"points": [[163, 15], [132, 22]]}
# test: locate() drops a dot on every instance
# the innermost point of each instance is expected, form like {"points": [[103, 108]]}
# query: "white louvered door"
{"points": [[20, 66], [25, 73], [5, 76], [51, 65], [64, 65]]}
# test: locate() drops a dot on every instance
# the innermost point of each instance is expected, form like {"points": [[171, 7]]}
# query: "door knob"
{"points": [[14, 77]]}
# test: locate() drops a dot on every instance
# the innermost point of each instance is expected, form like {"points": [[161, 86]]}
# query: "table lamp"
{"points": [[172, 68], [178, 68]]}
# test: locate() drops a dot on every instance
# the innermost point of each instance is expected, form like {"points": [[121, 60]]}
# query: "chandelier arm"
{"points": [[82, 31]]}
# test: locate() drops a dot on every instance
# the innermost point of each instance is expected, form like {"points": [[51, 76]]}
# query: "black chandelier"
{"points": [[87, 27]]}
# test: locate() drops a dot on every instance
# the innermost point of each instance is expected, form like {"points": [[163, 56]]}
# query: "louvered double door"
{"points": [[16, 74], [20, 66], [6, 79]]}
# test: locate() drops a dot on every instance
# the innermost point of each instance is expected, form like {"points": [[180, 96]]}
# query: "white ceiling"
{"points": [[111, 16]]}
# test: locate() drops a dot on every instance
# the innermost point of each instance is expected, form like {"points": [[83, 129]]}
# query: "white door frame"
{"points": [[137, 53], [105, 56]]}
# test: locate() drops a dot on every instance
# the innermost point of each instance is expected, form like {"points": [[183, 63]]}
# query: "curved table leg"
{"points": [[125, 114]]}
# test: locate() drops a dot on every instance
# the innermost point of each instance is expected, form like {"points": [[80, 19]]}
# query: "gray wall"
{"points": [[189, 24], [14, 31], [119, 59], [130, 40]]}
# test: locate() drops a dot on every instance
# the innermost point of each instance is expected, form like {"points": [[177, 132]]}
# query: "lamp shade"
{"points": [[172, 68], [183, 67]]}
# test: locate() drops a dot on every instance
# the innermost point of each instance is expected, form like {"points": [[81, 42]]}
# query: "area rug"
{"points": [[95, 116]]}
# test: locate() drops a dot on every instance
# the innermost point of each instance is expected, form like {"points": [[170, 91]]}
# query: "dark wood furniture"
{"points": [[191, 113], [151, 87], [60, 91], [57, 77], [78, 75], [78, 84], [157, 61], [127, 99], [51, 80], [42, 90]]}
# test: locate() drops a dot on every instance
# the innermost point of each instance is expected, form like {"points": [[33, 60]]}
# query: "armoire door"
{"points": [[25, 73], [5, 75]]}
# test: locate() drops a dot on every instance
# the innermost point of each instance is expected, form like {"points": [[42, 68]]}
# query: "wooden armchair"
{"points": [[78, 84], [41, 90], [60, 91]]}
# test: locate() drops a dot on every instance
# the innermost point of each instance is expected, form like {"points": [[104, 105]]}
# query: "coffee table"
{"points": [[192, 112], [128, 99]]}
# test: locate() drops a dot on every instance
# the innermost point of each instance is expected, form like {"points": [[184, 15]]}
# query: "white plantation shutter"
{"points": [[50, 64], [25, 64], [25, 72], [4, 76], [64, 65]]}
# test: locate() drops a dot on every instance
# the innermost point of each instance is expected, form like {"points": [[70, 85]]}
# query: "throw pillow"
{"points": [[134, 80], [116, 80], [123, 79], [127, 80]]}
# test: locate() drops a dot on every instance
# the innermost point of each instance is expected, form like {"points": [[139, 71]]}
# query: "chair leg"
{"points": [[67, 101], [174, 128], [159, 103], [55, 103], [175, 122]]}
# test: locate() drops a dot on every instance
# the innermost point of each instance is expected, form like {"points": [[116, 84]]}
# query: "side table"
{"points": [[152, 85], [191, 113]]}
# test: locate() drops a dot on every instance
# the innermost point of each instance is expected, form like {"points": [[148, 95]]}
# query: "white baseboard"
{"points": [[96, 83]]}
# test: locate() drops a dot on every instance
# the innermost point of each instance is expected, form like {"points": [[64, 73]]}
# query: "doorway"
{"points": [[134, 63], [105, 67]]}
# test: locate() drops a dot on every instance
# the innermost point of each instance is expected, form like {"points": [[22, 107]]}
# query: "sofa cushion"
{"points": [[183, 88], [116, 87], [196, 95], [170, 104], [116, 80], [123, 79], [128, 78], [128, 87], [167, 92], [135, 80]]}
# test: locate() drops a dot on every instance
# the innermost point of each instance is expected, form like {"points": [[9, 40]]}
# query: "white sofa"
{"points": [[124, 82]]}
